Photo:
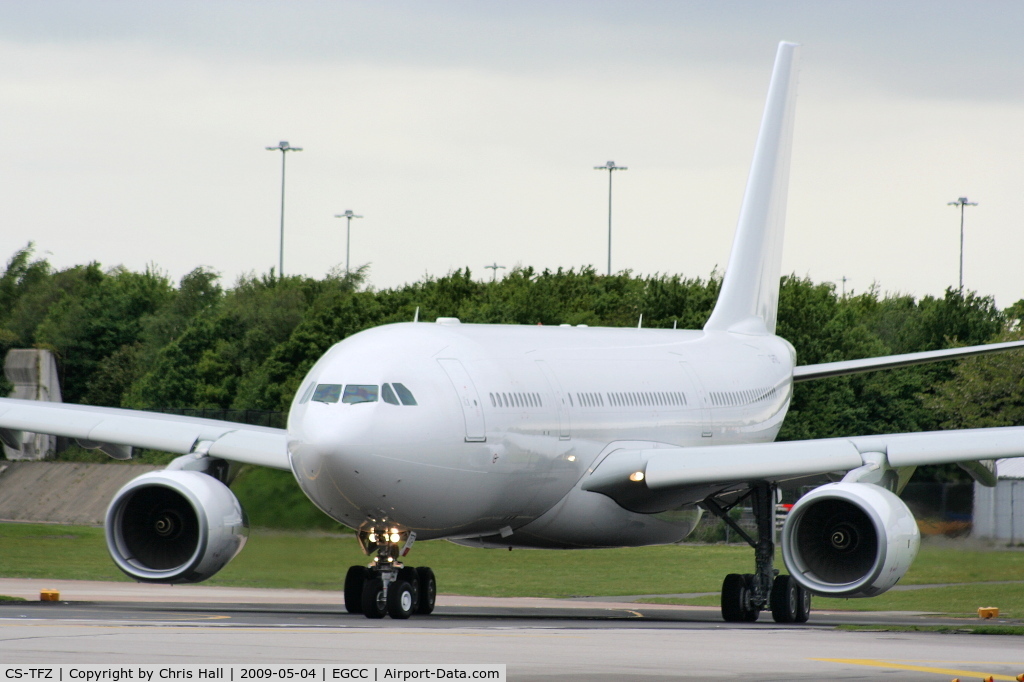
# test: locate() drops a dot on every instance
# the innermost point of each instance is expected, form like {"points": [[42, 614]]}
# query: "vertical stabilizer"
{"points": [[749, 299]]}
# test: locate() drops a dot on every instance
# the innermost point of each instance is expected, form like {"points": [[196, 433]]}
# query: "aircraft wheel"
{"points": [[785, 599], [735, 598], [374, 602], [803, 605], [401, 600], [411, 576], [354, 580], [427, 591]]}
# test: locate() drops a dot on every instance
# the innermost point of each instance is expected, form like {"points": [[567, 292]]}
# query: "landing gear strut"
{"points": [[745, 596], [387, 587]]}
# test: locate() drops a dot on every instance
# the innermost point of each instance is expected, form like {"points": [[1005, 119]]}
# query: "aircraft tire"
{"points": [[427, 592], [401, 600], [373, 601], [411, 576], [785, 599], [734, 598], [354, 580], [803, 605]]}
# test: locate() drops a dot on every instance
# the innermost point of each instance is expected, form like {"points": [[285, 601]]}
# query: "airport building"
{"points": [[999, 511]]}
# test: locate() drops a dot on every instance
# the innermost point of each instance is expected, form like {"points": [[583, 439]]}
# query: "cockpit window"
{"points": [[327, 393], [405, 394], [388, 395], [359, 393], [307, 393]]}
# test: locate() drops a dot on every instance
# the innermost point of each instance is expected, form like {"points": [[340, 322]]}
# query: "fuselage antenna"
{"points": [[416, 317], [641, 322]]}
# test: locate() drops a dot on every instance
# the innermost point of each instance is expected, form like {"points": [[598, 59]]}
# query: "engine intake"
{"points": [[849, 540], [174, 527]]}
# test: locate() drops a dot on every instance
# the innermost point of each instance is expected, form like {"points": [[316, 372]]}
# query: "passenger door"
{"points": [[472, 410]]}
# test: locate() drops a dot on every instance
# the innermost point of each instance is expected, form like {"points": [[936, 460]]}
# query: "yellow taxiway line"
{"points": [[875, 663]]}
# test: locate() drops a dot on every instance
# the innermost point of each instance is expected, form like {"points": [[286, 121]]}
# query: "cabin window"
{"points": [[327, 393], [359, 393], [388, 395], [404, 394]]}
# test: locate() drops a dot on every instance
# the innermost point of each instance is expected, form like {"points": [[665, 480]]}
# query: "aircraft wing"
{"points": [[835, 369], [670, 468], [116, 431]]}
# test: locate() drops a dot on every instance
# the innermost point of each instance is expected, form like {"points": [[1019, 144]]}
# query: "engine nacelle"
{"points": [[174, 527], [849, 540]]}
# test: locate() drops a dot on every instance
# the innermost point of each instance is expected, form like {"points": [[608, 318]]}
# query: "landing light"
{"points": [[372, 537], [636, 476], [395, 537], [571, 458]]}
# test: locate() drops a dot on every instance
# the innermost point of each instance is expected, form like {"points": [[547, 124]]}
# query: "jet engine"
{"points": [[849, 540], [174, 527]]}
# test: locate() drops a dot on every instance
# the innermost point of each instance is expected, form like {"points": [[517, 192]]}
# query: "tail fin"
{"points": [[749, 299]]}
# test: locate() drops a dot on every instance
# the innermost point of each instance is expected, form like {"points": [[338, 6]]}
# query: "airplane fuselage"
{"points": [[507, 420]]}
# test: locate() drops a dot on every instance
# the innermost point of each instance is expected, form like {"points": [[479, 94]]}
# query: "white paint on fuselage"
{"points": [[570, 392]]}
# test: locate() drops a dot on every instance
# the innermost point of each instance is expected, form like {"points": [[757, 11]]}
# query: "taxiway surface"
{"points": [[538, 639]]}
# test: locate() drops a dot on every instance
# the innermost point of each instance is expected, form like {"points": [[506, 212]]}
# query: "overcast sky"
{"points": [[466, 134]]}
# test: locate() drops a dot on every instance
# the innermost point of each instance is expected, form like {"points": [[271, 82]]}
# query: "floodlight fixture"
{"points": [[349, 215], [610, 167], [961, 202], [283, 147]]}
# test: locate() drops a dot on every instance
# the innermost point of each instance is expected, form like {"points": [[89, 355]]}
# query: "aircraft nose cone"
{"points": [[325, 435]]}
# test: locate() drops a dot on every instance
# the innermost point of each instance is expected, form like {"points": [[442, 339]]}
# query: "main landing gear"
{"points": [[387, 587], [744, 596]]}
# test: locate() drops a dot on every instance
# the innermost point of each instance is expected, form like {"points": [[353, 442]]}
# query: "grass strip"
{"points": [[319, 560], [1017, 630], [954, 600]]}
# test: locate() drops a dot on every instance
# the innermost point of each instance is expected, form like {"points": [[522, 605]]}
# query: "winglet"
{"points": [[749, 299]]}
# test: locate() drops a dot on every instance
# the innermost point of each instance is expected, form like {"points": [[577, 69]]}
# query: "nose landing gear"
{"points": [[387, 587]]}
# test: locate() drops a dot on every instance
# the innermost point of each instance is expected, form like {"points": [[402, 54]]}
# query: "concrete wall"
{"points": [[74, 493], [34, 375]]}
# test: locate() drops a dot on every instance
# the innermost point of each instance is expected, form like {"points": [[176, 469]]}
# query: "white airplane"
{"points": [[551, 437]]}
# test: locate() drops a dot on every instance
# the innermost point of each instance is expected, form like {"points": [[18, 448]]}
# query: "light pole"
{"points": [[961, 202], [284, 147], [610, 166], [348, 232], [495, 267]]}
